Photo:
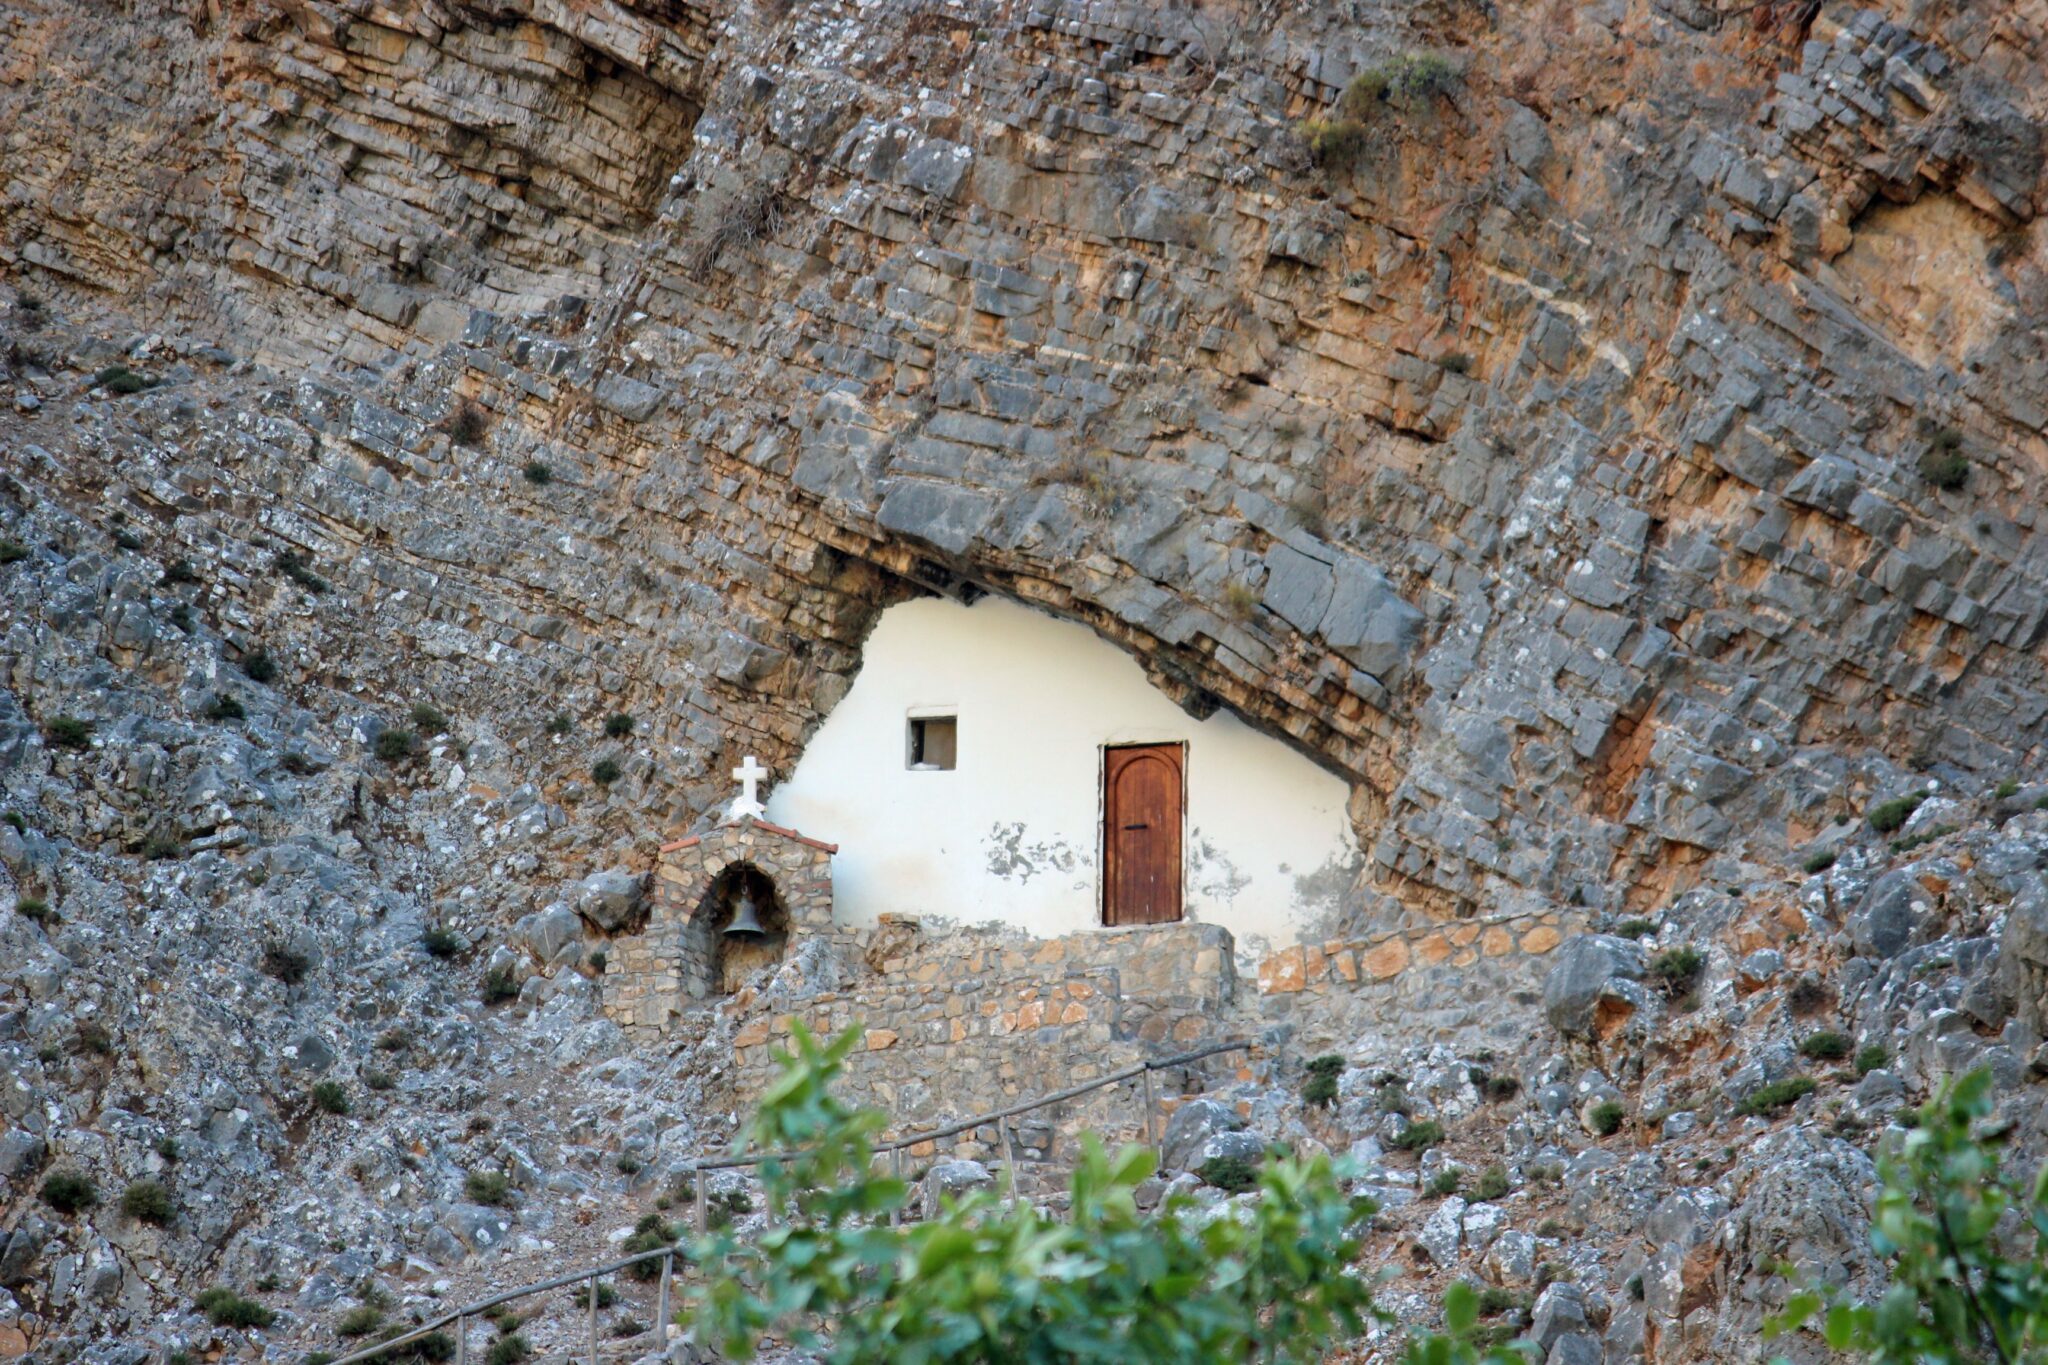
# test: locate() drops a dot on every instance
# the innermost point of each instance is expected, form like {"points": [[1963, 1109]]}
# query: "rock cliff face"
{"points": [[1606, 436]]}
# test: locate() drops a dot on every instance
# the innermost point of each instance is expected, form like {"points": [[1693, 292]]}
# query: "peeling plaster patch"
{"points": [[1009, 856], [1212, 872]]}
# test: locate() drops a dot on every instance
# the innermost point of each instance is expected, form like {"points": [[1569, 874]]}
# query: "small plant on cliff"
{"points": [[68, 732], [148, 1201], [467, 423], [618, 725], [1768, 1099], [651, 1233], [1457, 362], [1228, 1173], [561, 723], [1332, 143], [12, 551], [1446, 1182], [441, 941], [359, 1321], [162, 844], [1636, 928], [488, 1187], [258, 666], [226, 707], [538, 474], [226, 1308], [299, 570], [722, 1208], [1872, 1058], [605, 771], [1825, 1046], [1605, 1118], [122, 380], [2006, 789], [330, 1097], [428, 720], [70, 1191], [1820, 860], [1943, 463], [1887, 816], [1320, 1088], [1409, 82], [35, 908], [1677, 969], [1419, 1136], [395, 746], [1493, 1183], [1240, 599], [1966, 1283], [509, 1349], [284, 962]]}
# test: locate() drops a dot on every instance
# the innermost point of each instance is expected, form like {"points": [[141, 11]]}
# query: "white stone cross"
{"points": [[748, 803]]}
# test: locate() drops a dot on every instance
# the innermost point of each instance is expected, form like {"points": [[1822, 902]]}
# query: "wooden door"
{"points": [[1141, 817]]}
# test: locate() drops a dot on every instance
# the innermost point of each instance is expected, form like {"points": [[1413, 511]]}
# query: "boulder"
{"points": [[21, 1153], [547, 933], [1442, 1232], [1595, 984], [1190, 1129], [953, 1180], [1883, 923], [1560, 1312], [610, 899], [2023, 953]]}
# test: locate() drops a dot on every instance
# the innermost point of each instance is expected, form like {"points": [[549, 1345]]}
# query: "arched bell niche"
{"points": [[717, 960]]}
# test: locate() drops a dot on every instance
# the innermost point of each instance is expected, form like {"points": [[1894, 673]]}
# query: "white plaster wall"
{"points": [[1012, 833]]}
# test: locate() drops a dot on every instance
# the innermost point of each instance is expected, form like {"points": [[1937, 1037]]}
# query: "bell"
{"points": [[746, 922]]}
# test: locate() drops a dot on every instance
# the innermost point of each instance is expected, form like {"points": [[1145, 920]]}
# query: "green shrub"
{"points": [[1825, 1046], [1769, 1098], [628, 1164], [226, 1308], [162, 844], [1636, 928], [1945, 469], [148, 1202], [167, 1147], [1887, 816], [359, 1321], [69, 732], [1871, 1058], [91, 1037], [1240, 600], [70, 1191], [127, 540], [1605, 1118], [1493, 1183], [122, 380], [379, 1080], [561, 723], [395, 746], [1229, 1173], [299, 570], [2010, 787], [721, 1209], [605, 771], [509, 1350], [12, 551], [225, 707], [1446, 1182], [651, 1233], [488, 1187], [331, 1097], [538, 474], [500, 985], [1677, 969], [1818, 861], [1418, 1136], [179, 571], [34, 908], [258, 666], [1457, 362], [467, 423], [428, 720], [1500, 1089], [16, 821], [1409, 82], [285, 963], [441, 941], [1320, 1091], [1495, 1300], [618, 725], [1332, 143]]}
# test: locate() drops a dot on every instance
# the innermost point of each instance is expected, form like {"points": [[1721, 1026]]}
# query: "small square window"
{"points": [[934, 742]]}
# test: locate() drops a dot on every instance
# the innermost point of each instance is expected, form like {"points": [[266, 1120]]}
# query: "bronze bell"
{"points": [[746, 921]]}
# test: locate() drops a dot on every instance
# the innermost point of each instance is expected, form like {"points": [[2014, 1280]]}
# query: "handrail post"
{"points": [[461, 1339], [593, 1320], [1009, 1132], [661, 1320], [1145, 1130], [703, 1215], [896, 1214]]}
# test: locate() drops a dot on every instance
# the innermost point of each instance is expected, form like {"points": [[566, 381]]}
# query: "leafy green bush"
{"points": [[1961, 1291], [1500, 1089], [70, 1191], [380, 1080], [167, 1147], [428, 720], [2007, 788], [1768, 1099], [467, 424], [1945, 469], [258, 666], [395, 746], [122, 380], [1493, 1183], [68, 732], [1418, 1136], [651, 1233], [1825, 1046], [162, 844], [720, 1209], [1887, 816], [538, 474], [1818, 861], [500, 985], [331, 1097], [225, 707], [561, 723], [1228, 1173], [1320, 1088], [605, 771], [488, 1187], [996, 1280], [1871, 1058], [12, 551], [226, 1308], [1409, 82], [1446, 1182], [285, 963], [1636, 928], [34, 908], [508, 1350], [1605, 1118], [1332, 143], [441, 941], [149, 1202], [618, 725]]}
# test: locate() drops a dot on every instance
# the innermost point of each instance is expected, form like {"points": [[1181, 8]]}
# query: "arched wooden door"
{"points": [[1142, 789]]}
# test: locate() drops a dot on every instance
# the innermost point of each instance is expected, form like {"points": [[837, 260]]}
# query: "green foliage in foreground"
{"points": [[991, 1280], [1959, 1294]]}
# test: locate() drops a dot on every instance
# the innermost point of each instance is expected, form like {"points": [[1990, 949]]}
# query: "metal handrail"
{"points": [[667, 1254]]}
